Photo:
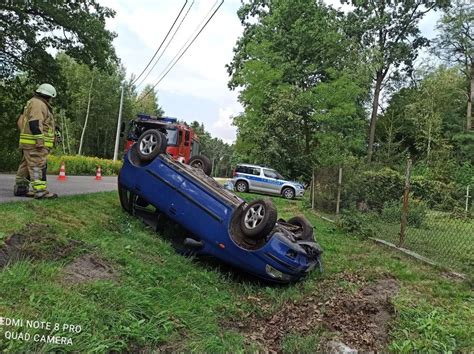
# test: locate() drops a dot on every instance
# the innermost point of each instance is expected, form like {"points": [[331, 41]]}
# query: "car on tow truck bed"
{"points": [[218, 222]]}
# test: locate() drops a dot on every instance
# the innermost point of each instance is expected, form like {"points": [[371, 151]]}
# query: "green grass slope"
{"points": [[156, 299]]}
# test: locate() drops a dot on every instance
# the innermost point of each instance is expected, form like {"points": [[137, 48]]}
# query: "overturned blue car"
{"points": [[217, 222]]}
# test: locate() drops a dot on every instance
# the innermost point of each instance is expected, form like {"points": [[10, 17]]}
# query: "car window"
{"points": [[270, 174], [172, 136], [248, 170]]}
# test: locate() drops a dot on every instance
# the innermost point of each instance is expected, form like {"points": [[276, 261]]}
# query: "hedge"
{"points": [[83, 165]]}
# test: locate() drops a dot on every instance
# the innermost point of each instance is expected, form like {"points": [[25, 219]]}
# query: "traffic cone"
{"points": [[62, 172], [98, 174]]}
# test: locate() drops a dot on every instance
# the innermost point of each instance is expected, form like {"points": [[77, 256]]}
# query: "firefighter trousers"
{"points": [[32, 169]]}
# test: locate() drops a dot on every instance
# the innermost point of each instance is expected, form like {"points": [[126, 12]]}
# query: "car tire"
{"points": [[258, 219], [306, 227], [126, 199], [150, 144], [288, 193], [242, 186], [201, 162]]}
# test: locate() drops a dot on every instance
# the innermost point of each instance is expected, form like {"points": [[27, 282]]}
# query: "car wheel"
{"points": [[126, 199], [201, 162], [258, 219], [150, 144], [288, 193], [241, 186], [306, 233]]}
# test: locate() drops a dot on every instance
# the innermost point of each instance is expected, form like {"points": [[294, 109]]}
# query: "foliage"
{"points": [[147, 102], [436, 194], [219, 152], [83, 165], [302, 103], [426, 121], [455, 44], [388, 33], [417, 210], [375, 187], [31, 28], [355, 222]]}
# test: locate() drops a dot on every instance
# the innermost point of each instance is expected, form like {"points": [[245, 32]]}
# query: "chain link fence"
{"points": [[428, 219]]}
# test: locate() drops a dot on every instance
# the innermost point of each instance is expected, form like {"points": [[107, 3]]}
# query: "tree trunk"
{"points": [[470, 96], [373, 117], [87, 117]]}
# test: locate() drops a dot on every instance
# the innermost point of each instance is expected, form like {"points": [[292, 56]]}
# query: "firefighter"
{"points": [[37, 133]]}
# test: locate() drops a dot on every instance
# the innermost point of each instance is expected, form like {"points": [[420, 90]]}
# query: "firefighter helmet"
{"points": [[47, 90]]}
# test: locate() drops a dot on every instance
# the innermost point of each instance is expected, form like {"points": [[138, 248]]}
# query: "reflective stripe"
{"points": [[39, 185], [48, 144], [28, 141], [31, 136]]}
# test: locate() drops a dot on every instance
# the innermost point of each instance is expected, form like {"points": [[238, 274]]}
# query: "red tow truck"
{"points": [[181, 140]]}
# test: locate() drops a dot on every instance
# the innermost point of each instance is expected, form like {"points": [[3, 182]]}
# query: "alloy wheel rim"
{"points": [[254, 216], [148, 144]]}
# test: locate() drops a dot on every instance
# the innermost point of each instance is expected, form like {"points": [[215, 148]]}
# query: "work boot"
{"points": [[45, 195], [20, 190]]}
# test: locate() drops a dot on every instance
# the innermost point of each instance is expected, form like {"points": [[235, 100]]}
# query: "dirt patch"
{"points": [[363, 319], [38, 242], [360, 320], [88, 268]]}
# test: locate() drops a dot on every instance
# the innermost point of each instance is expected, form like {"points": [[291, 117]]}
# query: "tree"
{"points": [[455, 44], [30, 28], [297, 87], [424, 120], [147, 102], [389, 33]]}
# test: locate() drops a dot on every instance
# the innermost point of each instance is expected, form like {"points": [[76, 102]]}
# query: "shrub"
{"points": [[9, 160], [355, 222], [436, 194], [83, 165], [417, 210], [376, 187]]}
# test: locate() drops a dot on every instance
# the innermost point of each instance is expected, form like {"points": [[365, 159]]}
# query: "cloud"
{"points": [[200, 75], [223, 127]]}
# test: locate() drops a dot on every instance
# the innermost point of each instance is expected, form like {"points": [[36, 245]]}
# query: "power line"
{"points": [[156, 52], [173, 61], [166, 47]]}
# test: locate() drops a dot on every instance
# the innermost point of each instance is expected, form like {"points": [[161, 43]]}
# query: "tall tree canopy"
{"points": [[455, 44], [388, 32], [30, 29], [147, 102], [299, 93]]}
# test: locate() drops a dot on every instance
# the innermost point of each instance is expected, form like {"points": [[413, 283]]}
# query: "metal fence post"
{"points": [[339, 183], [406, 191]]}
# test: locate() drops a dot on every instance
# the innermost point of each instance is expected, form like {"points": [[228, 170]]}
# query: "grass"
{"points": [[162, 300], [441, 238]]}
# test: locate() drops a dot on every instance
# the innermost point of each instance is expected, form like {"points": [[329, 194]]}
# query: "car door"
{"points": [[270, 181], [256, 179]]}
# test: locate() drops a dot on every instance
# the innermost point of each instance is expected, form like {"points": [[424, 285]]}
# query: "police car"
{"points": [[255, 178]]}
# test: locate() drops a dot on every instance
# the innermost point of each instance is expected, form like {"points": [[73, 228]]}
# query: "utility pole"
{"points": [[119, 121]]}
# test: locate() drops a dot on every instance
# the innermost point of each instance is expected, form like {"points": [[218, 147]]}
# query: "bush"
{"points": [[83, 165], [417, 210], [355, 222], [9, 160], [375, 188], [436, 194]]}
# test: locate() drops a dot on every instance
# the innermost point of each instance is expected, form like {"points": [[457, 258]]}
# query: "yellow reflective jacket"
{"points": [[40, 110]]}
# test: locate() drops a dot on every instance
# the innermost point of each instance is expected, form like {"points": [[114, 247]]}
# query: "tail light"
{"points": [[234, 173]]}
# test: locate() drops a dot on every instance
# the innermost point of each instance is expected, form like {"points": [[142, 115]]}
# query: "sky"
{"points": [[196, 88]]}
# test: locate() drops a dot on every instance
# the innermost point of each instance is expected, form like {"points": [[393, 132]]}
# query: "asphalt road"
{"points": [[73, 185]]}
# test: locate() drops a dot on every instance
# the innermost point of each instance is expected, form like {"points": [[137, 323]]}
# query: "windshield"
{"points": [[172, 136]]}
